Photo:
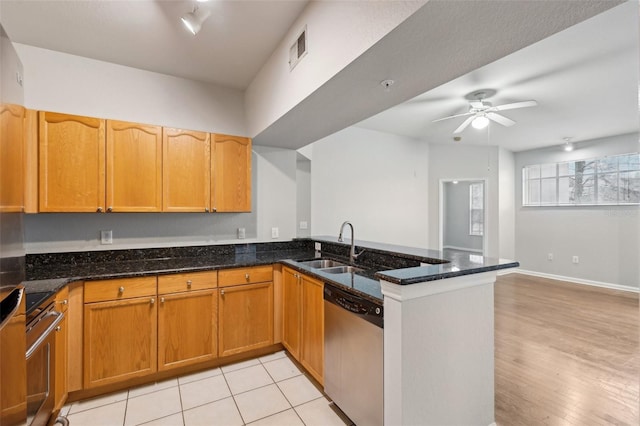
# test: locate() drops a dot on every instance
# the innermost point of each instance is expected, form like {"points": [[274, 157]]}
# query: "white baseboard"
{"points": [[611, 286], [463, 248]]}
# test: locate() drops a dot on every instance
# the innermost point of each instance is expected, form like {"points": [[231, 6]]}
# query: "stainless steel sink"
{"points": [[322, 263], [341, 270]]}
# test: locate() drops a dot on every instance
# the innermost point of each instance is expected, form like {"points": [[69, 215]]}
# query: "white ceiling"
{"points": [[232, 46], [584, 78]]}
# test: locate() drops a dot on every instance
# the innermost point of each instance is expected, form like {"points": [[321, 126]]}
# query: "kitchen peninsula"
{"points": [[438, 310]]}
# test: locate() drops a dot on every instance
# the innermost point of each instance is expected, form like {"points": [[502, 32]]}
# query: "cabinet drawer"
{"points": [[256, 274], [126, 288], [186, 282]]}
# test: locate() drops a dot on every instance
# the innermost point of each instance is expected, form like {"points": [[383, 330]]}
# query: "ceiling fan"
{"points": [[481, 111]]}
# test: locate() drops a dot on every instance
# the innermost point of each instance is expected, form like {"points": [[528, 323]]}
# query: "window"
{"points": [[611, 180], [476, 208]]}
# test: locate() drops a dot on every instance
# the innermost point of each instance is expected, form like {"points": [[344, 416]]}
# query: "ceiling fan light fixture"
{"points": [[568, 146], [480, 122], [193, 20]]}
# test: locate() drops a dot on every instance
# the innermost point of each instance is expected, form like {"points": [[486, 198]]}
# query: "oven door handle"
{"points": [[57, 317]]}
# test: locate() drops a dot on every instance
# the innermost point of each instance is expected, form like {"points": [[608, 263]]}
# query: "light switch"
{"points": [[304, 225]]}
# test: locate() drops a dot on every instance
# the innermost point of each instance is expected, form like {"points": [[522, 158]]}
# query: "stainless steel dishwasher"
{"points": [[353, 357]]}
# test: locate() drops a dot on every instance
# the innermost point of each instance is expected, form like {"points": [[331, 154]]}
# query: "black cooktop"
{"points": [[36, 301]]}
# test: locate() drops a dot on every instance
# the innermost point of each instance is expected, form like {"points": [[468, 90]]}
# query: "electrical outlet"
{"points": [[304, 225], [241, 233], [550, 257], [318, 246], [106, 237], [576, 259], [275, 233]]}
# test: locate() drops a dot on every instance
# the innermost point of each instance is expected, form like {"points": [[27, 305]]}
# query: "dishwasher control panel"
{"points": [[364, 308]]}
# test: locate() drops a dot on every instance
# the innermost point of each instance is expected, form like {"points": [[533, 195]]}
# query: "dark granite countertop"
{"points": [[360, 283], [430, 265], [395, 264]]}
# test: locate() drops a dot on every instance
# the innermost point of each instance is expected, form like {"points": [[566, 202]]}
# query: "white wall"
{"points": [[276, 187], [451, 162], [60, 82], [506, 204], [456, 218], [303, 186], [337, 33], [376, 180], [606, 238]]}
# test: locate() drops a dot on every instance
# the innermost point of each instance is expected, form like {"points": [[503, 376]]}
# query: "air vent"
{"points": [[298, 49]]}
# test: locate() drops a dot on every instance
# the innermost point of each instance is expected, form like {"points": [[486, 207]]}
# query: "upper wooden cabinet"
{"points": [[84, 164], [231, 178], [71, 163], [134, 167], [186, 171], [12, 127]]}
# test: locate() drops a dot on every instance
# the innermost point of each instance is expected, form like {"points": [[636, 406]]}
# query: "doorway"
{"points": [[463, 216]]}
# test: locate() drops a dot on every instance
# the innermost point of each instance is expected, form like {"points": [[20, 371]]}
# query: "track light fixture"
{"points": [[193, 20], [568, 146]]}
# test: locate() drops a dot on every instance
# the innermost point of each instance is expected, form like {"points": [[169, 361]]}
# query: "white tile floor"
{"points": [[270, 390]]}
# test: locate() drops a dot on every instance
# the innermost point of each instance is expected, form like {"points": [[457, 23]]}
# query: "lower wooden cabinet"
{"points": [[62, 339], [187, 332], [245, 317], [303, 324], [312, 327], [292, 315], [119, 340]]}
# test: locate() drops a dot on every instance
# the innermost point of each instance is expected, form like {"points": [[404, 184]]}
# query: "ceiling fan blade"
{"points": [[464, 125], [453, 116], [500, 119], [514, 105]]}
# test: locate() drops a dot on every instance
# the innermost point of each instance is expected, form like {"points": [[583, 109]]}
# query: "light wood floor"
{"points": [[565, 354]]}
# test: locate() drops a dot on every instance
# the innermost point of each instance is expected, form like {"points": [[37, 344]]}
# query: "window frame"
{"points": [[473, 232], [597, 175]]}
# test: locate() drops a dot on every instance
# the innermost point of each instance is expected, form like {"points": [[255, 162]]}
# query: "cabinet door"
{"points": [[231, 173], [12, 122], [186, 171], [134, 167], [245, 319], [312, 350], [71, 154], [61, 364], [291, 295], [120, 340], [187, 332]]}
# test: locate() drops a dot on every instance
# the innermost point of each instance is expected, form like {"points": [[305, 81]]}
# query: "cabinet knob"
{"points": [[121, 290], [99, 209], [221, 292], [206, 210], [189, 282], [109, 209], [58, 328], [246, 276], [65, 302], [162, 300], [215, 209], [152, 301]]}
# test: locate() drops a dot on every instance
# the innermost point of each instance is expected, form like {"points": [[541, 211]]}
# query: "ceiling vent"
{"points": [[298, 49]]}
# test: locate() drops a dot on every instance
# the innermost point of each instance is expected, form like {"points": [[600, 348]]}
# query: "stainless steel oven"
{"points": [[13, 387], [40, 355]]}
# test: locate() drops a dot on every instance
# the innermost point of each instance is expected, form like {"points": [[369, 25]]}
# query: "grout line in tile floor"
{"points": [[278, 356]]}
